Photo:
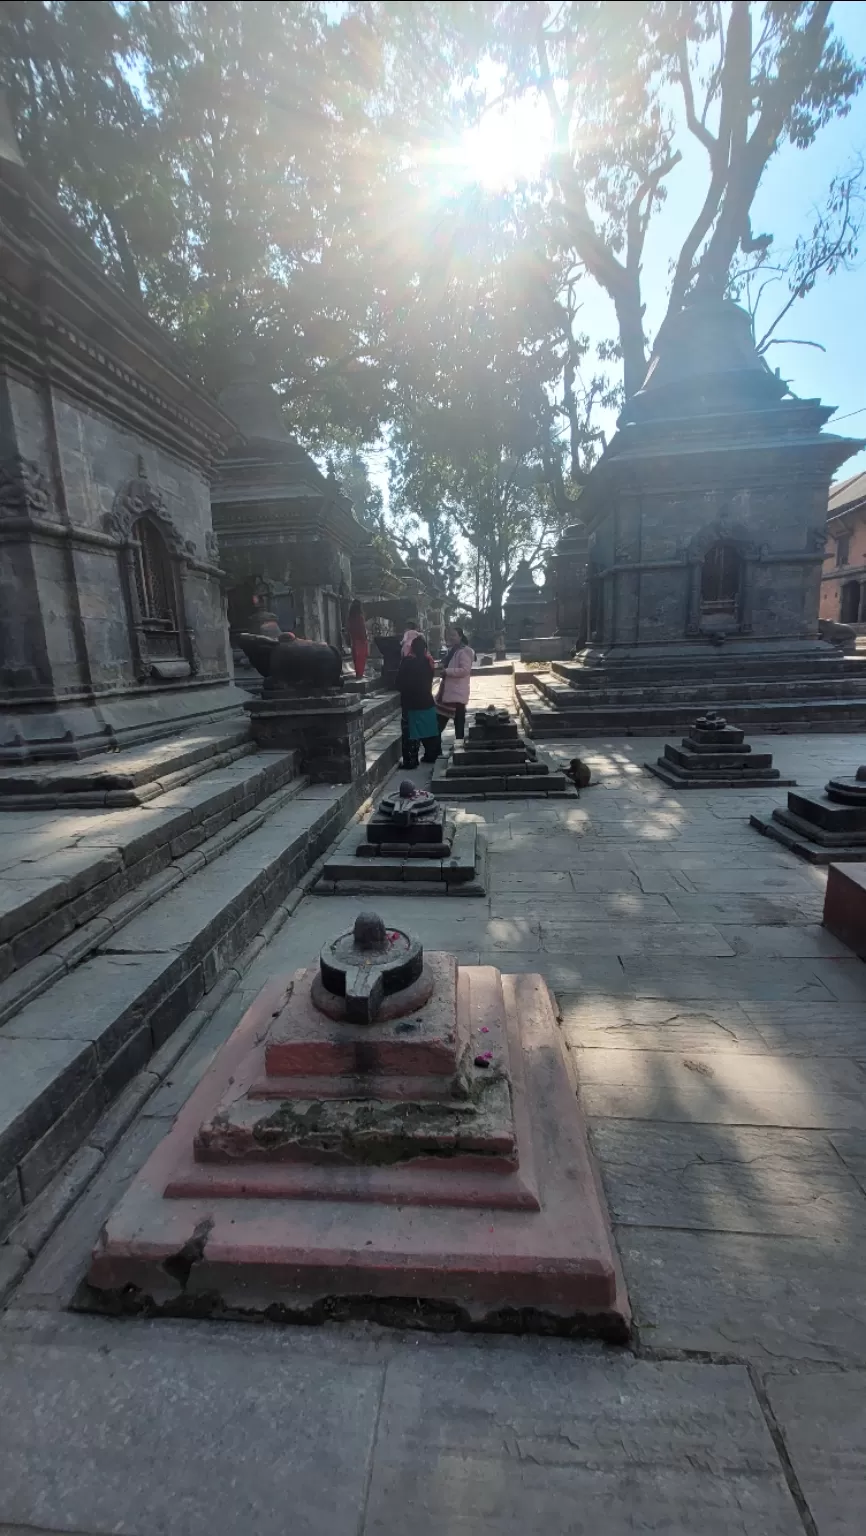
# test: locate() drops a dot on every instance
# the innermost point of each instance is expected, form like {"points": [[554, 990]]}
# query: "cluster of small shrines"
{"points": [[386, 1129]]}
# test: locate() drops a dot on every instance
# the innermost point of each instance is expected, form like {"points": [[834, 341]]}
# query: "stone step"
{"points": [[31, 980], [697, 695], [707, 666], [379, 709], [74, 867], [131, 777], [681, 778], [545, 722], [67, 1052]]}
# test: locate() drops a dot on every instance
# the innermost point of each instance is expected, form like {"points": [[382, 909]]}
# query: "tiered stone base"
{"points": [[459, 871], [822, 831], [783, 685], [715, 755], [436, 1164], [496, 762]]}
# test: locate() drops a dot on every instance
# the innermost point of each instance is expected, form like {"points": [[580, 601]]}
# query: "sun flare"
{"points": [[506, 147]]}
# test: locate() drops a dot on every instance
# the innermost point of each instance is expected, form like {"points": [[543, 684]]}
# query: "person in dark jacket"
{"points": [[420, 724]]}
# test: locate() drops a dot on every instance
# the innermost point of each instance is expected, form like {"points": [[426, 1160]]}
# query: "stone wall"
{"points": [[66, 601]]}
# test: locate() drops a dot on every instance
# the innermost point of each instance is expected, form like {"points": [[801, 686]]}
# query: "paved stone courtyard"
{"points": [[722, 1051]]}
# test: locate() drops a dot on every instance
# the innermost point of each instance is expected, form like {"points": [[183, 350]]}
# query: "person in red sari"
{"points": [[357, 627]]}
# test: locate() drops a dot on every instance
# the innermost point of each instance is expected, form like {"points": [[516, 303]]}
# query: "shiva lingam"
{"points": [[410, 824], [388, 1131], [359, 970]]}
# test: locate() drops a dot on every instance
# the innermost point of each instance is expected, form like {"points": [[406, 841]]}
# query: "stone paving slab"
{"points": [[757, 1297], [170, 1437], [739, 908], [851, 1147], [727, 1179], [778, 940], [586, 908], [745, 977], [541, 1443], [613, 937], [822, 1417], [810, 1029], [637, 1024], [724, 1090]]}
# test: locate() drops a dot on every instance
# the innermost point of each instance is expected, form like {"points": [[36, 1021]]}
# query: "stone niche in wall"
{"points": [[112, 618]]}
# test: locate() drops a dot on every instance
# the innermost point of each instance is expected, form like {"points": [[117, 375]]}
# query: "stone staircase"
{"points": [[116, 921]]}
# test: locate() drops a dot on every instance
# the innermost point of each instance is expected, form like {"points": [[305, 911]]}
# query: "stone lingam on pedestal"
{"points": [[386, 1134], [496, 761], [822, 830], [715, 755], [410, 843], [303, 706]]}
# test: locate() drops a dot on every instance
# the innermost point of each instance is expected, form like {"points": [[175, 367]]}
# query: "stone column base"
{"points": [[327, 729]]}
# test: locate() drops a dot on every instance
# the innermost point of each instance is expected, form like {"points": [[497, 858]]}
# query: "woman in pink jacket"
{"points": [[453, 695]]}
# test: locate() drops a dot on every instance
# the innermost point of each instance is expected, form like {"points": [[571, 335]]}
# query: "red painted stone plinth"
{"points": [[491, 1218]]}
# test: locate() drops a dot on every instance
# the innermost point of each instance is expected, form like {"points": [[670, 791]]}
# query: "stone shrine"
{"points": [[112, 622], [387, 1134], [715, 755], [706, 519], [496, 762], [527, 609], [822, 830], [287, 533], [568, 579], [410, 844]]}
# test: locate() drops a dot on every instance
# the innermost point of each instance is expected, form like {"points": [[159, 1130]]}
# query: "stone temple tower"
{"points": [[706, 519]]}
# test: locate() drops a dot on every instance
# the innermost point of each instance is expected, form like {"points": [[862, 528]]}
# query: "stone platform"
{"points": [[715, 755], [497, 762], [433, 1158], [409, 844], [781, 686], [822, 830]]}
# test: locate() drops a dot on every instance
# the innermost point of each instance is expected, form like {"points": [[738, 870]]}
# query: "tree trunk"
{"points": [[632, 338]]}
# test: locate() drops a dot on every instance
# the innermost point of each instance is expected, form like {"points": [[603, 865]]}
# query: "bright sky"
{"points": [[509, 146]]}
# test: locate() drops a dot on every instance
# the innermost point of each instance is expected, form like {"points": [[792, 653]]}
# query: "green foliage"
{"points": [[348, 465], [259, 176]]}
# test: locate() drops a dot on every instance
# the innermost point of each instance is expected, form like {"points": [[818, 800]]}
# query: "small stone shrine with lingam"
{"points": [[410, 843], [715, 755], [822, 830], [389, 1134], [304, 706], [496, 761]]}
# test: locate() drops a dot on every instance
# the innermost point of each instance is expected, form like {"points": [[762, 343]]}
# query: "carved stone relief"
{"points": [[24, 490]]}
